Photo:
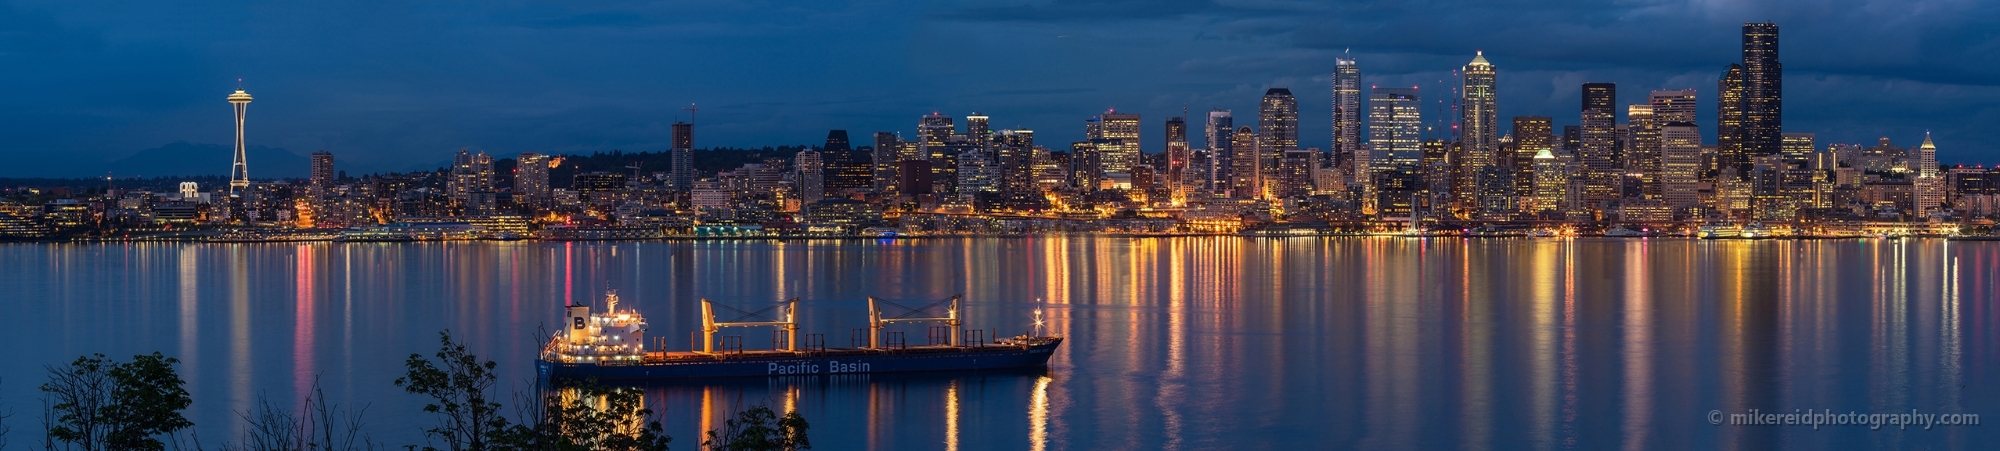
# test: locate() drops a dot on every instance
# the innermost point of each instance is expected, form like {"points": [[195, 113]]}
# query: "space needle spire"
{"points": [[239, 174]]}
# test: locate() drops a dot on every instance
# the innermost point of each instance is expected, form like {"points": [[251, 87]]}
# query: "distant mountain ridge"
{"points": [[182, 158]]}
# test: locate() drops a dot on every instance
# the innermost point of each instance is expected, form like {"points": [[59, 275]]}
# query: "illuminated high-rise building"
{"points": [[1763, 90], [1928, 187], [1395, 127], [322, 170], [933, 133], [1479, 127], [977, 131], [1347, 114], [1551, 182], [239, 173], [1278, 125], [888, 159], [811, 175], [846, 170], [1478, 121], [1014, 156], [1798, 148], [1123, 131], [1599, 140], [1221, 130], [1673, 105], [1680, 164], [1532, 135], [681, 175], [1642, 157], [1246, 165], [1729, 121], [1175, 175], [531, 179]]}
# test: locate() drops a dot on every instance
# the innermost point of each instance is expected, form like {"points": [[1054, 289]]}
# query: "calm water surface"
{"points": [[1184, 343]]}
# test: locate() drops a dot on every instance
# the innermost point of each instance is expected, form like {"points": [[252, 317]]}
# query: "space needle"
{"points": [[239, 174]]}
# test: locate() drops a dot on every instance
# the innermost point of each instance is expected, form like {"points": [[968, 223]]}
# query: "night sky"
{"points": [[396, 86]]}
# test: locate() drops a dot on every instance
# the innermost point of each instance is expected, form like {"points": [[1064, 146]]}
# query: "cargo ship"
{"points": [[611, 346]]}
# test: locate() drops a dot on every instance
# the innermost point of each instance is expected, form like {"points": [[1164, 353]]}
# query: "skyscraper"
{"points": [[1347, 114], [322, 170], [1220, 126], [846, 170], [1673, 105], [933, 133], [1680, 164], [1551, 182], [1123, 131], [888, 158], [682, 177], [1532, 136], [1763, 89], [1395, 127], [1278, 120], [977, 131], [1014, 155], [1478, 124], [1729, 121], [811, 175], [1643, 156], [1928, 186], [1246, 169], [1599, 140], [1177, 156], [1221, 129], [531, 179], [239, 173]]}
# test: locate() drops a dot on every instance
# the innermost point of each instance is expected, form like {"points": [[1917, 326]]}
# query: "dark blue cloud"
{"points": [[390, 84]]}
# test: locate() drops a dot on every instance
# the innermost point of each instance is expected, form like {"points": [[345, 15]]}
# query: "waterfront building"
{"points": [[1347, 114]]}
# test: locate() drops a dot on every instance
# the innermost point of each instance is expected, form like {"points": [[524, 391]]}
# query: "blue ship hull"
{"points": [[838, 362]]}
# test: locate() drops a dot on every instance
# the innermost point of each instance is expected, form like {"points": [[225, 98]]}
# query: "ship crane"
{"points": [[790, 324], [953, 317]]}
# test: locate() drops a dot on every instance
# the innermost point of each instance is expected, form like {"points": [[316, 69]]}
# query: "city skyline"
{"points": [[1908, 88]]}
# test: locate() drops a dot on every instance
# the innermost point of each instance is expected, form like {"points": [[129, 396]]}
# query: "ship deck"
{"points": [[659, 357]]}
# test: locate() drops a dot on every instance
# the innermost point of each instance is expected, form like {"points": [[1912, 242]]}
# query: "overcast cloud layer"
{"points": [[391, 85]]}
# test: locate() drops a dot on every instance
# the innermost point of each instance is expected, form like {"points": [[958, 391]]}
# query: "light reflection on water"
{"points": [[1184, 343]]}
